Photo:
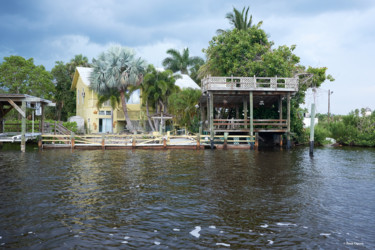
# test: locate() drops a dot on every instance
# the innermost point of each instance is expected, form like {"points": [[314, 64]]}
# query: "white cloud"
{"points": [[342, 41]]}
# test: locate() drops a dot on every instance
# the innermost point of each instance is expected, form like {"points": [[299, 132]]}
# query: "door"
{"points": [[105, 125]]}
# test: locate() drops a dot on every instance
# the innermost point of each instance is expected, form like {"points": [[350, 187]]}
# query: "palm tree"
{"points": [[239, 20], [156, 88], [180, 62], [112, 95], [117, 69], [183, 107], [78, 60]]}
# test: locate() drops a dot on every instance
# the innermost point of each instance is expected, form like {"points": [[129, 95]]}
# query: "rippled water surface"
{"points": [[187, 199]]}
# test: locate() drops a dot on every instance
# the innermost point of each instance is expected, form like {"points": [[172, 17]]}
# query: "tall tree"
{"points": [[239, 20], [248, 52], [21, 76], [180, 62], [113, 96], [117, 69], [78, 61], [64, 97], [183, 107], [156, 88]]}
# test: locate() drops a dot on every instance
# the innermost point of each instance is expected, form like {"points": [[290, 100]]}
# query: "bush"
{"points": [[72, 126], [320, 134]]}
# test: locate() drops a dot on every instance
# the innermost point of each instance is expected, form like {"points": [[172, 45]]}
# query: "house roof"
{"points": [[84, 73], [186, 82]]}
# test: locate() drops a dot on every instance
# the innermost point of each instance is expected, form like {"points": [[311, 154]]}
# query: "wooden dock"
{"points": [[143, 141]]}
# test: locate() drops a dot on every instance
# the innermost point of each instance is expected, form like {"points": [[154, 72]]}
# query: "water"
{"points": [[187, 199]]}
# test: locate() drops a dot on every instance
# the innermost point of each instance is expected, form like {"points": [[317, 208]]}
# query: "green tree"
{"points": [[117, 69], [183, 107], [239, 20], [156, 88], [248, 52], [78, 61], [180, 62], [21, 76], [64, 97], [111, 95]]}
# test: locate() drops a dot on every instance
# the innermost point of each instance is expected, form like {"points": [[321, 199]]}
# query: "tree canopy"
{"points": [[246, 51], [117, 69], [180, 62], [21, 76], [156, 88]]}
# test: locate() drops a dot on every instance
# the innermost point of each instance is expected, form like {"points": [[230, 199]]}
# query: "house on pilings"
{"points": [[246, 94]]}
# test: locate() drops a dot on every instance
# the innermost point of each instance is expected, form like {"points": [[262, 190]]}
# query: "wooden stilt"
{"points": [[251, 120], [103, 142], [23, 128], [312, 128], [72, 140], [225, 140], [212, 132], [288, 143], [245, 112]]}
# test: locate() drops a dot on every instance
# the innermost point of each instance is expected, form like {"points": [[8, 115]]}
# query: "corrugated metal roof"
{"points": [[85, 73], [186, 82]]}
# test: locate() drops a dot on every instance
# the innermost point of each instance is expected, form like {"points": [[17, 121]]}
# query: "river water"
{"points": [[187, 199]]}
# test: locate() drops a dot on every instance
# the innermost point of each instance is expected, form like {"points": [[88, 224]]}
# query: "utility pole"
{"points": [[329, 105]]}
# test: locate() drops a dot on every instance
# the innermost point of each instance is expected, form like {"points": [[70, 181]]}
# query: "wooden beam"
{"points": [[245, 111], [211, 116], [23, 130], [288, 120], [23, 113], [251, 119]]}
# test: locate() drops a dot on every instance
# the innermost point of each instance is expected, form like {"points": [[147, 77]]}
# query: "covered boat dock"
{"points": [[21, 102], [248, 93]]}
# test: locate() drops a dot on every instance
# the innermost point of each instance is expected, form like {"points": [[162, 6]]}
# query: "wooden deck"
{"points": [[279, 84], [238, 97]]}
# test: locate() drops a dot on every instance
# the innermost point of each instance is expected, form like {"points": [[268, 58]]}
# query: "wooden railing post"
{"points": [[134, 142], [40, 142], [103, 142], [164, 142], [72, 140], [199, 138], [225, 140], [23, 127]]}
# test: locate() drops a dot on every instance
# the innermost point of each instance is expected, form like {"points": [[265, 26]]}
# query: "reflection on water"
{"points": [[187, 198]]}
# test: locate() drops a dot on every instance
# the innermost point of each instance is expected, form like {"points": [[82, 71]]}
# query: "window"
{"points": [[83, 96], [101, 112], [108, 112]]}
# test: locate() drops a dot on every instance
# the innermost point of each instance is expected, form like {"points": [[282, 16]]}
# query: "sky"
{"points": [[337, 34]]}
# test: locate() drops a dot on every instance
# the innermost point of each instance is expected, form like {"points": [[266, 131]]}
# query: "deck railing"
{"points": [[250, 83], [223, 125]]}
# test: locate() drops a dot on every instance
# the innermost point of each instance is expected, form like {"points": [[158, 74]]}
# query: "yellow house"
{"points": [[104, 119]]}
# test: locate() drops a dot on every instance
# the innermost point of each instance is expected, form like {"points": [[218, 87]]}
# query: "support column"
{"points": [[207, 125], [280, 118], [23, 127], [312, 127], [41, 130], [203, 117], [212, 133], [288, 145], [251, 120], [1, 118], [245, 111]]}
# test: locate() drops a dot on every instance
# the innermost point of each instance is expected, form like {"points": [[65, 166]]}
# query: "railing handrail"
{"points": [[249, 83]]}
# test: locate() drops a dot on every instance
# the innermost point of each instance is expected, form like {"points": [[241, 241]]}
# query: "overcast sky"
{"points": [[337, 34]]}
